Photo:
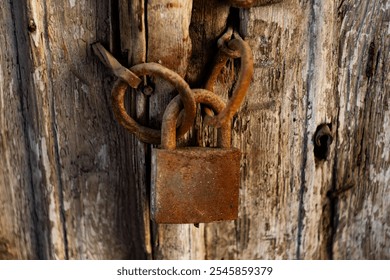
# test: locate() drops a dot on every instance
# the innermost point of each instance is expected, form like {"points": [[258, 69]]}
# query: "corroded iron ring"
{"points": [[172, 113], [242, 85], [145, 134]]}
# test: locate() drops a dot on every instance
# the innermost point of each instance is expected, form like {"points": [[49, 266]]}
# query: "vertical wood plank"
{"points": [[81, 179], [17, 230], [133, 38], [314, 221], [362, 178], [93, 153], [37, 98], [269, 130]]}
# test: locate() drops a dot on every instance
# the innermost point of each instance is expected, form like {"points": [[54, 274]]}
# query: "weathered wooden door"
{"points": [[75, 185]]}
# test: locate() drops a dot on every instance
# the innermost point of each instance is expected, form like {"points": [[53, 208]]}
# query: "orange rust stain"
{"points": [[173, 5]]}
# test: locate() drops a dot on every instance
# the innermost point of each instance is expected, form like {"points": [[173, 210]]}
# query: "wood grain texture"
{"points": [[362, 164], [133, 39], [80, 176], [75, 185], [92, 150], [283, 193], [17, 217], [208, 22]]}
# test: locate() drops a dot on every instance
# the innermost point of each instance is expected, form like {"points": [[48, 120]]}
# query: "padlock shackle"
{"points": [[143, 133], [172, 112]]}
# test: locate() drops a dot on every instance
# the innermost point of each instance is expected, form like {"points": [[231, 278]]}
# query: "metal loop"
{"points": [[223, 42], [172, 112], [143, 133], [241, 86]]}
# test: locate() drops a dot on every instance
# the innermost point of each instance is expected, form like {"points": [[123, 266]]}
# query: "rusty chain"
{"points": [[145, 134], [172, 113], [223, 56], [231, 46]]}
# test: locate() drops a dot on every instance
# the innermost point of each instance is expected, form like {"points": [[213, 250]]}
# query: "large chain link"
{"points": [[231, 46], [127, 77]]}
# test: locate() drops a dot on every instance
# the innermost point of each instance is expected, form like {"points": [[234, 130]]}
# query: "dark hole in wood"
{"points": [[148, 87], [322, 140], [370, 60], [32, 27]]}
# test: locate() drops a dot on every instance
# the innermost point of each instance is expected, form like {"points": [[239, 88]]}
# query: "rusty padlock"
{"points": [[194, 184]]}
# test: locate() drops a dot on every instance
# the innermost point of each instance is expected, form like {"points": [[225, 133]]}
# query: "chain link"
{"points": [[231, 46], [172, 113], [234, 48], [131, 77]]}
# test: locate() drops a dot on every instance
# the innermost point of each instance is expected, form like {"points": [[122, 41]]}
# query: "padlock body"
{"points": [[195, 185]]}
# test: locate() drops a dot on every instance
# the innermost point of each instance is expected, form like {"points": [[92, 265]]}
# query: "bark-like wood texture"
{"points": [[75, 185]]}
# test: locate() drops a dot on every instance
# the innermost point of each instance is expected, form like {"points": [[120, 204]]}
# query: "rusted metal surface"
{"points": [[193, 184], [171, 115], [143, 133], [119, 70], [251, 3], [242, 85], [223, 56], [229, 48]]}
